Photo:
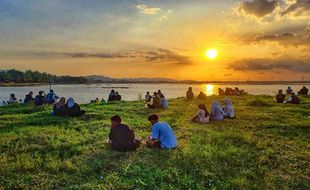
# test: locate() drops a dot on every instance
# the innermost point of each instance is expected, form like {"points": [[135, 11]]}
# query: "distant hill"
{"points": [[104, 79]]}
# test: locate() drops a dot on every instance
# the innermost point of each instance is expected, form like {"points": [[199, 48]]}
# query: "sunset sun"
{"points": [[211, 53]]}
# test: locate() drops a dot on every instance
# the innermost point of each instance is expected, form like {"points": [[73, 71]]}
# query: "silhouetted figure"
{"points": [[60, 108], [303, 91], [294, 99], [280, 97], [221, 92], [156, 103], [29, 98], [122, 137], [190, 94], [161, 95], [148, 97], [112, 96], [13, 99], [40, 99], [289, 90], [118, 97], [73, 109], [236, 92], [201, 96], [51, 97], [229, 91]]}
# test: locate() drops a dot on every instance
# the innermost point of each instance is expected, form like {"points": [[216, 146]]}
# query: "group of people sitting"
{"points": [[217, 113], [67, 108], [39, 100], [122, 137], [114, 96], [231, 92], [303, 91], [158, 100], [190, 95], [292, 97]]}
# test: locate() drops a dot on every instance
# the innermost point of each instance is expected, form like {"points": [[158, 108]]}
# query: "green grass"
{"points": [[266, 147]]}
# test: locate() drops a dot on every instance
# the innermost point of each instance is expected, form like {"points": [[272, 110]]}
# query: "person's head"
{"points": [[190, 89], [293, 94], [303, 87], [216, 104], [12, 95], [116, 93], [116, 120], [31, 93], [70, 102], [289, 87], [153, 118], [147, 93], [155, 94], [202, 106], [280, 92], [159, 91], [112, 91], [62, 100], [51, 91], [41, 93]]}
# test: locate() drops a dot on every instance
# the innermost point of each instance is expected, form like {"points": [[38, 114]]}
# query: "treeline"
{"points": [[29, 76]]}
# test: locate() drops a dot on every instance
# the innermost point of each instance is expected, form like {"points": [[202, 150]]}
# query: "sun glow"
{"points": [[209, 89], [211, 53]]}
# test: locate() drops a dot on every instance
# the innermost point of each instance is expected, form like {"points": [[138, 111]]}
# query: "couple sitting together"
{"points": [[158, 101], [218, 112], [69, 108], [122, 137], [292, 99]]}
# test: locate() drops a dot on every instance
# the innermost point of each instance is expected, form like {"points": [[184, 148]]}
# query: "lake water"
{"points": [[84, 93]]}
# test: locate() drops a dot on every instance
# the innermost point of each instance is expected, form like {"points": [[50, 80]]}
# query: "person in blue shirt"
{"points": [[162, 135], [51, 97]]}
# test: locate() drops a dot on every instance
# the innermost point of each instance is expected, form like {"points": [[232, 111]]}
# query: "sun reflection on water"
{"points": [[209, 89]]}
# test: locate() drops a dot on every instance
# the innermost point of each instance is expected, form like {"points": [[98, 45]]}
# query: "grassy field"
{"points": [[266, 147]]}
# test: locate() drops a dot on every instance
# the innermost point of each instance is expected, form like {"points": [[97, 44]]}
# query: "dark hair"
{"points": [[153, 117], [203, 107], [51, 90], [116, 118], [112, 91], [30, 92]]}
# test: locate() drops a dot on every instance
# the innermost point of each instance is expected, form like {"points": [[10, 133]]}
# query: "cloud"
{"points": [[158, 55], [286, 39], [257, 64], [258, 8], [298, 8], [148, 10]]}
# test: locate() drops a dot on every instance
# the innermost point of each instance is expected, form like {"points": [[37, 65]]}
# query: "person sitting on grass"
{"points": [[60, 107], [221, 92], [293, 99], [148, 97], [73, 109], [202, 115], [118, 97], [122, 137], [228, 109], [156, 104], [217, 113], [303, 91], [40, 99], [190, 94], [164, 102], [280, 97], [162, 135], [13, 99], [112, 96], [201, 96], [160, 94], [29, 98], [289, 90], [51, 97]]}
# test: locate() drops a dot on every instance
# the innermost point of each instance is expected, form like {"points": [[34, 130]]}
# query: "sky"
{"points": [[255, 39]]}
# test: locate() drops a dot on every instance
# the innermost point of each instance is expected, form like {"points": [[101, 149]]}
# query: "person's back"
{"points": [[280, 97], [73, 109], [122, 138], [165, 134], [295, 99], [28, 98], [148, 97], [289, 90], [164, 103], [228, 109], [217, 112], [304, 91], [157, 102], [201, 96], [39, 100], [189, 94], [50, 98]]}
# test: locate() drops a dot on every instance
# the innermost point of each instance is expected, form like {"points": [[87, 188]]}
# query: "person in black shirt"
{"points": [[121, 137], [73, 109], [40, 99], [189, 94], [29, 98], [202, 96], [280, 96]]}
